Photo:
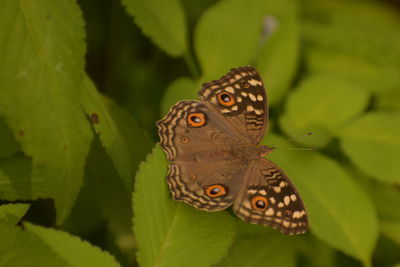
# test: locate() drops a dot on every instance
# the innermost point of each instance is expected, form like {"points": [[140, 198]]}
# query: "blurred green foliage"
{"points": [[82, 180]]}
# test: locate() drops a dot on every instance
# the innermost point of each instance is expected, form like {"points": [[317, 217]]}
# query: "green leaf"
{"points": [[163, 21], [71, 249], [391, 230], [274, 249], [373, 144], [387, 200], [321, 104], [110, 192], [278, 58], [228, 35], [126, 144], [8, 145], [182, 88], [389, 100], [42, 52], [20, 248], [340, 212], [16, 182], [332, 25], [12, 213], [170, 233], [368, 75], [317, 252]]}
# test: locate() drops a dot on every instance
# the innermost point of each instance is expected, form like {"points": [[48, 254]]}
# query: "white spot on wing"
{"points": [[252, 97], [230, 89], [270, 212], [286, 199], [254, 82], [249, 108]]}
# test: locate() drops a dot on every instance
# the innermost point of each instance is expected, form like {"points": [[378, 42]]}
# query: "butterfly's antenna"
{"points": [[303, 148], [293, 139]]}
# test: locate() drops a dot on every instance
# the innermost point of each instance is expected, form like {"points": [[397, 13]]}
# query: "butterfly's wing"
{"points": [[240, 97], [203, 173], [271, 199]]}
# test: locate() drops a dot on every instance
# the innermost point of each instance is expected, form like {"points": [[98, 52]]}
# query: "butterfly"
{"points": [[216, 160]]}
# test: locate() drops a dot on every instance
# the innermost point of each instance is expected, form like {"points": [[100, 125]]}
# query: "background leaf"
{"points": [[12, 213], [170, 233], [20, 248], [313, 107], [40, 72], [373, 143], [163, 21], [278, 57], [222, 42], [182, 88], [16, 182], [8, 145], [72, 250], [267, 250], [126, 146]]}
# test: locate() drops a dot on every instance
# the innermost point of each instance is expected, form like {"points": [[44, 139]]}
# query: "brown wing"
{"points": [[240, 97], [271, 199], [203, 172]]}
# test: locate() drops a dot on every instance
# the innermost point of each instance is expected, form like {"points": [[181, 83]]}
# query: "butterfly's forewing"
{"points": [[271, 199], [202, 172], [240, 97]]}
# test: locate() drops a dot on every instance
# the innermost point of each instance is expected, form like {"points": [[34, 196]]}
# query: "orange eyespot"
{"points": [[245, 85], [226, 99], [259, 203], [215, 190], [196, 119]]}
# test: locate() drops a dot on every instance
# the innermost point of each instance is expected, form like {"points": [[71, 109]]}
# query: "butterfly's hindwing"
{"points": [[283, 208]]}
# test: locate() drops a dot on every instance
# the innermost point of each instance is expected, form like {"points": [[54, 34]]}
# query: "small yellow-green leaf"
{"points": [[71, 249], [387, 200], [272, 249], [278, 58], [321, 104], [368, 75], [389, 100], [12, 213], [181, 89], [20, 248], [335, 27], [227, 36], [42, 61], [123, 140], [340, 212], [170, 233], [163, 21], [8, 144], [373, 144], [16, 182]]}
